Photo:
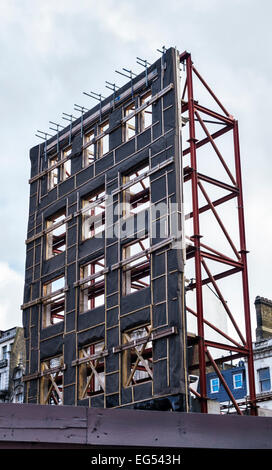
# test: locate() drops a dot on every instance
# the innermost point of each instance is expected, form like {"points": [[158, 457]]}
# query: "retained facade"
{"points": [[103, 308]]}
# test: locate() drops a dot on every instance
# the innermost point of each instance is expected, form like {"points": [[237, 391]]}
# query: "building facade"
{"points": [[103, 308], [262, 350], [235, 378], [12, 359], [263, 369]]}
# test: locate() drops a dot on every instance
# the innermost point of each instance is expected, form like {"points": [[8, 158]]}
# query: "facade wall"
{"points": [[158, 307]]}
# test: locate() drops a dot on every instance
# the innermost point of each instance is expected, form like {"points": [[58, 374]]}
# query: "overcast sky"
{"points": [[52, 51]]}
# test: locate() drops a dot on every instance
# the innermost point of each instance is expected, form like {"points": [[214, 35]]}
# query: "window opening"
{"points": [[54, 302], [65, 168], [92, 287], [93, 214], [56, 236], [136, 196], [136, 272]]}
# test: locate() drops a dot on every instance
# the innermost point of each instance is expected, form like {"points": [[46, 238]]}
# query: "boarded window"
{"points": [[103, 142], [137, 359], [55, 234], [146, 114], [91, 371], [90, 149], [53, 172], [264, 379], [129, 128], [51, 388], [65, 167]]}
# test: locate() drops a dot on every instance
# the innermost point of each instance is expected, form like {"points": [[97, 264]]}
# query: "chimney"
{"points": [[264, 318]]}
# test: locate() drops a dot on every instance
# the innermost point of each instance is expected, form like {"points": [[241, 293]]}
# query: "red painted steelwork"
{"points": [[200, 251]]}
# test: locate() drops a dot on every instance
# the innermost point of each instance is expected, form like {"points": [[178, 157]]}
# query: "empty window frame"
{"points": [[135, 266], [91, 372], [92, 285], [55, 234], [93, 214], [129, 128], [214, 385], [137, 360], [51, 382], [89, 150], [65, 167], [53, 302], [53, 172], [103, 141], [264, 379], [146, 114], [136, 195]]}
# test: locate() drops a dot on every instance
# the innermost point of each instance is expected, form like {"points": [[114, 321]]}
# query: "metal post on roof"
{"points": [[113, 87], [57, 131], [82, 110], [45, 138], [145, 64], [130, 76], [98, 97], [70, 118]]}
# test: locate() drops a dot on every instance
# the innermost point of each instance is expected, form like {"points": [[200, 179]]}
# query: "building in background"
{"points": [[235, 377], [262, 353], [12, 363]]}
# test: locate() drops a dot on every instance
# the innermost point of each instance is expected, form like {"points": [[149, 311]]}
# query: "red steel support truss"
{"points": [[200, 252]]}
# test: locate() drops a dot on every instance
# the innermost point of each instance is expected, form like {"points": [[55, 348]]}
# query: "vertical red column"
{"points": [[196, 236]]}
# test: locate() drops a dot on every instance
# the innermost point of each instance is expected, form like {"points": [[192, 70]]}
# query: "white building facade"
{"points": [[12, 357], [6, 343], [262, 352]]}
